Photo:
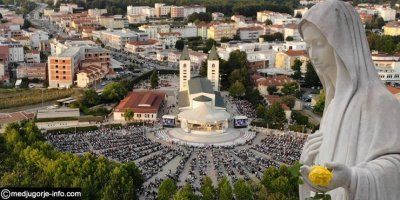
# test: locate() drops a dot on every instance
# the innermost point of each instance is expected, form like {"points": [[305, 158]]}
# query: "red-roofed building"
{"points": [[6, 118], [149, 46], [276, 81], [146, 105]]}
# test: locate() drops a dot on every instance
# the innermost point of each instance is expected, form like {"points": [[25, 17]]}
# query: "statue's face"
{"points": [[319, 50]]}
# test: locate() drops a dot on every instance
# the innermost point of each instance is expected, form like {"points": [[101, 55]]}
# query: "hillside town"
{"points": [[185, 93]]}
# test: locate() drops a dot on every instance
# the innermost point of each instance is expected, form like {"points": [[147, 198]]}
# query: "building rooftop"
{"points": [[202, 98], [142, 102], [70, 52], [200, 85]]}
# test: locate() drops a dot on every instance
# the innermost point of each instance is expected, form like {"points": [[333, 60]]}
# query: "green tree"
{"points": [[114, 92], [297, 69], [272, 90], [261, 111], [128, 115], [225, 39], [118, 186], [154, 79], [207, 189], [199, 17], [240, 75], [242, 190], [237, 60], [179, 44], [166, 190], [209, 43], [276, 116], [90, 98], [311, 78], [320, 105], [289, 101], [185, 193], [237, 89], [289, 38], [268, 22], [290, 88], [224, 190]]}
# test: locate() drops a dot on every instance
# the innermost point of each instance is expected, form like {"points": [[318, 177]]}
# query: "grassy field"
{"points": [[10, 98]]}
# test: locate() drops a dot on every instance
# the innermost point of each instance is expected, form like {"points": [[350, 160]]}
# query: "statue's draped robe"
{"points": [[361, 122]]}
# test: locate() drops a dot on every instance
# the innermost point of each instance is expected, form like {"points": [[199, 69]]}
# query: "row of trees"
{"points": [[27, 160], [277, 183], [384, 43]]}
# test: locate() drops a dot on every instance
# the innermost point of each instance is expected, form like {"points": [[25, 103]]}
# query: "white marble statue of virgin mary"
{"points": [[359, 136]]}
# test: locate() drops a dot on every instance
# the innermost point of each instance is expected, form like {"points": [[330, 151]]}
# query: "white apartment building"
{"points": [[96, 12], [275, 17], [188, 10], [387, 66], [387, 13], [118, 38], [68, 8], [36, 37], [168, 40], [162, 9], [32, 57], [135, 10], [15, 51], [291, 30], [259, 54], [152, 30], [250, 33], [189, 30]]}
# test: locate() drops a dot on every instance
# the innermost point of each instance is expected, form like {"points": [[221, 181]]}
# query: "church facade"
{"points": [[202, 108]]}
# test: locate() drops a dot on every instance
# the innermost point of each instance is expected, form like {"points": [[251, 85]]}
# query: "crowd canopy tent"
{"points": [[204, 114]]}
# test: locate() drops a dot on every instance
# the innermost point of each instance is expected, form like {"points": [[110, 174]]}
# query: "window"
{"points": [[63, 61], [184, 65], [56, 77], [63, 67], [213, 65], [56, 66], [64, 77]]}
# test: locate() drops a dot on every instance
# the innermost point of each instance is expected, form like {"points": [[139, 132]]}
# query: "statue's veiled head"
{"points": [[321, 53], [337, 41]]}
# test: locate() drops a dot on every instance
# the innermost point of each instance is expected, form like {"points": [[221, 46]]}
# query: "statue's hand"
{"points": [[311, 148], [341, 177]]}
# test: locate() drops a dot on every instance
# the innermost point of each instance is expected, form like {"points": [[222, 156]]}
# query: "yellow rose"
{"points": [[320, 176]]}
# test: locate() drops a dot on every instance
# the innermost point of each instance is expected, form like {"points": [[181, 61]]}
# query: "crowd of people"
{"points": [[285, 148], [130, 143]]}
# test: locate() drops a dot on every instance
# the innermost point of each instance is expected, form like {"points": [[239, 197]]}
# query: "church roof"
{"points": [[185, 54], [200, 85], [202, 98], [183, 100], [213, 55]]}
